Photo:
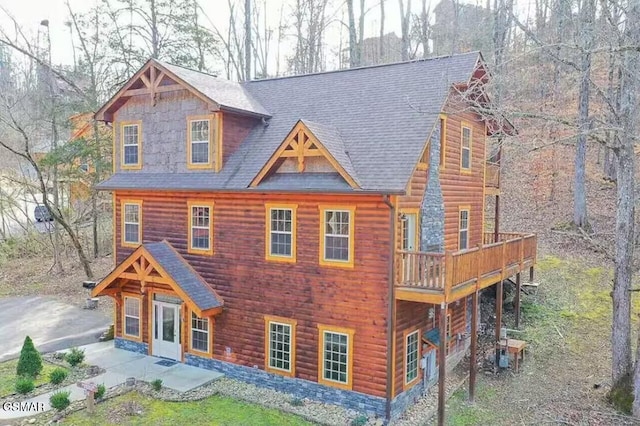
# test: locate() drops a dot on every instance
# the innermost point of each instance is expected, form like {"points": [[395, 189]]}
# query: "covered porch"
{"points": [[163, 307]]}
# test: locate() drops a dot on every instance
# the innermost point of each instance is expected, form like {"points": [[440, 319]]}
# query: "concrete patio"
{"points": [[120, 365]]}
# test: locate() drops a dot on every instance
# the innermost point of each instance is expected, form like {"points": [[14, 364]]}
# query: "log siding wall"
{"points": [[304, 291]]}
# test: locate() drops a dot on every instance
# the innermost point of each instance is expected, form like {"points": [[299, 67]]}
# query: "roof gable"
{"points": [[156, 77], [302, 142]]}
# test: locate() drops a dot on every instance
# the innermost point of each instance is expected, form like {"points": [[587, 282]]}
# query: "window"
{"points": [[131, 138], [443, 139], [280, 345], [131, 317], [409, 231], [336, 242], [463, 233], [281, 232], [412, 356], [465, 152], [336, 357], [202, 141], [131, 211], [199, 333], [200, 220]]}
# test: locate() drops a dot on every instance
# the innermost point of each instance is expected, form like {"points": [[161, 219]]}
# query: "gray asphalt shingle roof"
{"points": [[374, 120], [185, 277]]}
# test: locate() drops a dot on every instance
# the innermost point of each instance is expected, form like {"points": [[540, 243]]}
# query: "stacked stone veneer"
{"points": [[432, 208], [130, 345]]}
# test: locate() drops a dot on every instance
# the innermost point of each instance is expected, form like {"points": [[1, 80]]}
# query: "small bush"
{"points": [[58, 375], [24, 384], [100, 391], [361, 420], [60, 400], [156, 385], [30, 362], [75, 356], [58, 355], [296, 402]]}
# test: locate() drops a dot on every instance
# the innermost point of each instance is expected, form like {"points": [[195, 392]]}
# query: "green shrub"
{"points": [[58, 375], [75, 356], [156, 384], [24, 384], [100, 391], [60, 400], [361, 420], [296, 402], [30, 362]]}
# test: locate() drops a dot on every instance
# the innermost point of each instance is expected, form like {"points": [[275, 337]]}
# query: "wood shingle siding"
{"points": [[304, 291]]}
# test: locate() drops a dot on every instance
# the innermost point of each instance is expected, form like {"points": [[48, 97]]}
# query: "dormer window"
{"points": [[200, 142]]}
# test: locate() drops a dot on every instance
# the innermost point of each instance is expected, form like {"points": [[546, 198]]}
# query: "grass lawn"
{"points": [[8, 376], [211, 411]]}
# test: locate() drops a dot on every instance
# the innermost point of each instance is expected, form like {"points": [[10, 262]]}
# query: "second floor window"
{"points": [[131, 223], [336, 245], [199, 139], [281, 224], [463, 237], [465, 152], [200, 227], [130, 145]]}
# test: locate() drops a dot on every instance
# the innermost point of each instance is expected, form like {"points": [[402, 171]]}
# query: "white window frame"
{"points": [[125, 144], [463, 229], [129, 316], [273, 366], [465, 148], [198, 321], [138, 206], [324, 260], [273, 231], [194, 227], [416, 362], [201, 142], [324, 357]]}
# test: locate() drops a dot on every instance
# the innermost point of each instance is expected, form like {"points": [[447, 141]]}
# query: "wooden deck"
{"points": [[447, 277]]}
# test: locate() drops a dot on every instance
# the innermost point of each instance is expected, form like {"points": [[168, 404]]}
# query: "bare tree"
{"points": [[247, 39], [405, 26]]}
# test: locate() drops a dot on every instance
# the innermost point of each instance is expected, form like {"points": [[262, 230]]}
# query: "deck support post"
{"points": [[496, 221], [498, 319], [473, 364], [531, 275], [442, 356], [517, 299]]}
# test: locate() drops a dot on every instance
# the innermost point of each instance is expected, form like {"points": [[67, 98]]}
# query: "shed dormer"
{"points": [[168, 119]]}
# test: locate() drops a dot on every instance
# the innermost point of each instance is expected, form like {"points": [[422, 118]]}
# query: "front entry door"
{"points": [[166, 330]]}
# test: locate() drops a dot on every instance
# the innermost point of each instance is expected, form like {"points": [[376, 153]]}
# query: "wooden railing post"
{"points": [[480, 266], [448, 279]]}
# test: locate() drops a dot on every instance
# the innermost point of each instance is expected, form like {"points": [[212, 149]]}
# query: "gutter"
{"points": [[391, 308]]}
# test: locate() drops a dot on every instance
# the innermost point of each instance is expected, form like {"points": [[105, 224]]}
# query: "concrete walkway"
{"points": [[119, 365]]}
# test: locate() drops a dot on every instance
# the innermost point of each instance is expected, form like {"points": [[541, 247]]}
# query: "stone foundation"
{"points": [[130, 345]]}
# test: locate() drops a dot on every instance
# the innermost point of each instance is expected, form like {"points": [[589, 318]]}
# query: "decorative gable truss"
{"points": [[302, 144], [150, 80]]}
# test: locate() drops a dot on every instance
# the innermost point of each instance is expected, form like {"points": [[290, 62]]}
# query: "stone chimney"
{"points": [[432, 208]]}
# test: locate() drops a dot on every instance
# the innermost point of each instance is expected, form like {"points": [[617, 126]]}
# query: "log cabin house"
{"points": [[321, 234]]}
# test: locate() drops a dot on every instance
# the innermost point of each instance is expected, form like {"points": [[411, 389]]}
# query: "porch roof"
{"points": [[163, 264]]}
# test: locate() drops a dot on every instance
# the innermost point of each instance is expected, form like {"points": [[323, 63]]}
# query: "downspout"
{"points": [[391, 308]]}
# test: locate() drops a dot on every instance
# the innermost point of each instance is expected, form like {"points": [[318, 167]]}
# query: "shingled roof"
{"points": [[376, 121]]}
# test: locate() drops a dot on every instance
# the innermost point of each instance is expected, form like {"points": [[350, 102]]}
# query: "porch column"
{"points": [[442, 356], [518, 290], [473, 366], [498, 319], [496, 221]]}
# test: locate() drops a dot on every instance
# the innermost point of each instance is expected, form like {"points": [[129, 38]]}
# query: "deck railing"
{"points": [[492, 175], [492, 261]]}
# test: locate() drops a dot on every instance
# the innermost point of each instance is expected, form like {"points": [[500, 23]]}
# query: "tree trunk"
{"points": [[405, 20], [353, 54], [247, 39], [381, 41]]}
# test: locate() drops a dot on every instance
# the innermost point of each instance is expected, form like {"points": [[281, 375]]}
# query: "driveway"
{"points": [[51, 324]]}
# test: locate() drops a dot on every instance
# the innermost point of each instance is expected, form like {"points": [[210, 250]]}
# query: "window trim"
{"points": [[442, 119], [122, 125], [198, 352], [190, 205], [405, 338], [408, 211], [349, 332], [213, 142], [461, 209], [292, 323], [465, 125], [349, 263], [123, 241], [124, 334], [267, 239]]}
